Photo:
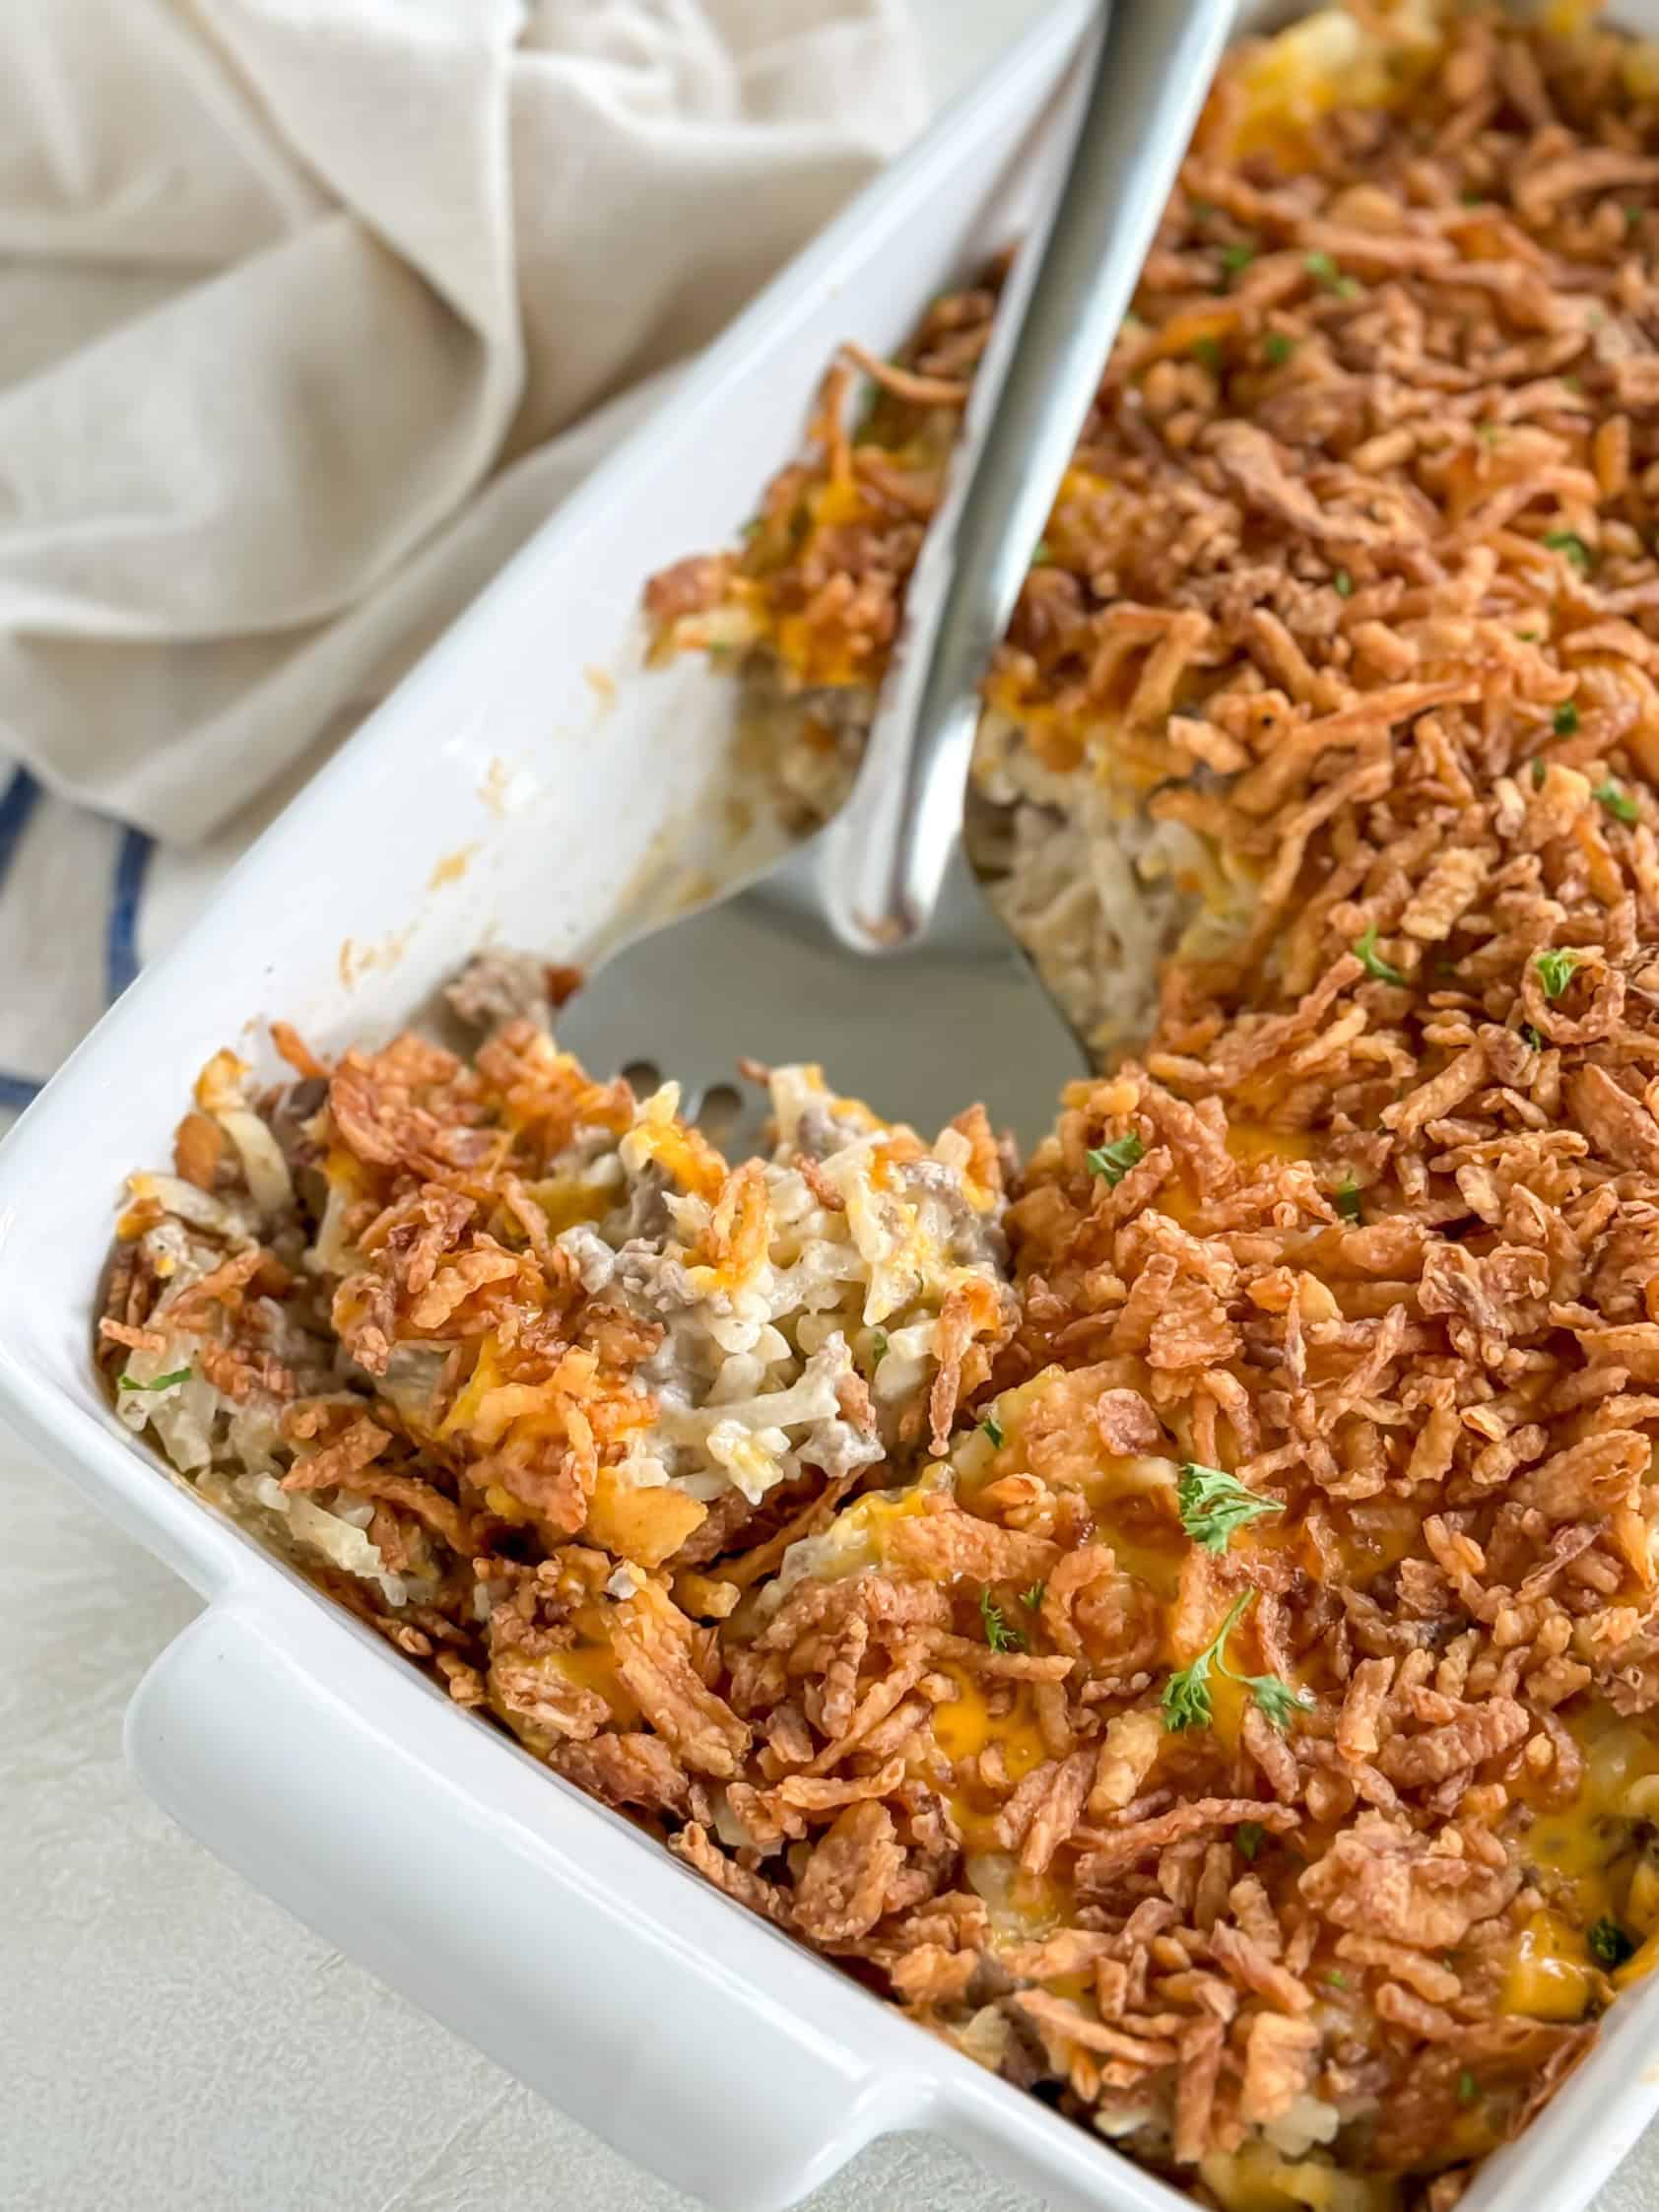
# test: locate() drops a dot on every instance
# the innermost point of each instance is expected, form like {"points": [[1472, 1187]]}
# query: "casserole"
{"points": [[191, 1734]]}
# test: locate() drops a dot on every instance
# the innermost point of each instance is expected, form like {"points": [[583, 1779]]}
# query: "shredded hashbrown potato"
{"points": [[1181, 1618]]}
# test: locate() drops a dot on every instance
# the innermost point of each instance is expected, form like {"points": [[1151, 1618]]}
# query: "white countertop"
{"points": [[171, 2041]]}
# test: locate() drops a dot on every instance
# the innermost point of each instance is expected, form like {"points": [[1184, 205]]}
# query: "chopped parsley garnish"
{"points": [[1609, 1945], [998, 1634], [1337, 1979], [1344, 584], [1278, 349], [1467, 2088], [1565, 718], [1472, 198], [1248, 1836], [878, 1349], [754, 526], [1114, 1160], [1186, 1694], [159, 1382], [1348, 1199], [1325, 271], [1532, 1037], [1213, 1504], [1634, 215], [1569, 544], [1041, 554], [1374, 964], [1208, 350], [1556, 970], [1619, 804], [1279, 1701], [1202, 210], [1030, 1599], [1236, 257], [1538, 772], [992, 1428]]}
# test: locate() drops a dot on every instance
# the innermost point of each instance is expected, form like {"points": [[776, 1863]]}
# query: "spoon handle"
{"points": [[886, 852]]}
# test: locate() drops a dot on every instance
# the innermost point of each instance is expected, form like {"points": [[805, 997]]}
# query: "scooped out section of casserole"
{"points": [[1178, 1616]]}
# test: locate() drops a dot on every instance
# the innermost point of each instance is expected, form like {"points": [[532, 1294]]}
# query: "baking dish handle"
{"points": [[573, 1950]]}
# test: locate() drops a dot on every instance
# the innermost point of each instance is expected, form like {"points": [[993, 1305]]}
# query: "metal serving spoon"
{"points": [[870, 948]]}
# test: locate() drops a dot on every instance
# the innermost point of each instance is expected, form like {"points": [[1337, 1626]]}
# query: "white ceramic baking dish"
{"points": [[522, 780]]}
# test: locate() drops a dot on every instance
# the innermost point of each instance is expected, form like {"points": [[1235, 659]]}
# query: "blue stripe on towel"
{"points": [[16, 804], [120, 954], [17, 1092]]}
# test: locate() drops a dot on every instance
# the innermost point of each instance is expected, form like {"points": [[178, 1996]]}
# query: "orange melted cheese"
{"points": [[1590, 1868], [1249, 1143], [964, 1730], [1549, 1976], [683, 1154], [593, 1667], [567, 1202]]}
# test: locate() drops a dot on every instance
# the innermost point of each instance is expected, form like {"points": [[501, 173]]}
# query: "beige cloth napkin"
{"points": [[299, 300]]}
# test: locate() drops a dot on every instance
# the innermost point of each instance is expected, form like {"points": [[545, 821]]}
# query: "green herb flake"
{"points": [[1343, 584], [1365, 951], [1609, 1945], [1528, 636], [754, 526], [1348, 1199], [1248, 1836], [1573, 384], [1277, 1703], [992, 1428], [1321, 268], [1572, 547], [158, 1383], [1276, 349], [1235, 258], [1488, 432], [1114, 1160], [1538, 772], [1032, 1598], [1566, 719], [1472, 198], [1336, 1978], [1041, 554], [1186, 1694], [1634, 215], [1619, 804], [1213, 1504], [998, 1634], [1467, 2088], [1202, 210], [1556, 970], [1208, 352], [878, 1349], [1532, 1038]]}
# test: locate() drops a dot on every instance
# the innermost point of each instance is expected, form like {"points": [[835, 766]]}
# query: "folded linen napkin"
{"points": [[308, 313]]}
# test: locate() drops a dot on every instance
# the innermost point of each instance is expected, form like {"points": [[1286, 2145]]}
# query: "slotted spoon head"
{"points": [[954, 1018]]}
